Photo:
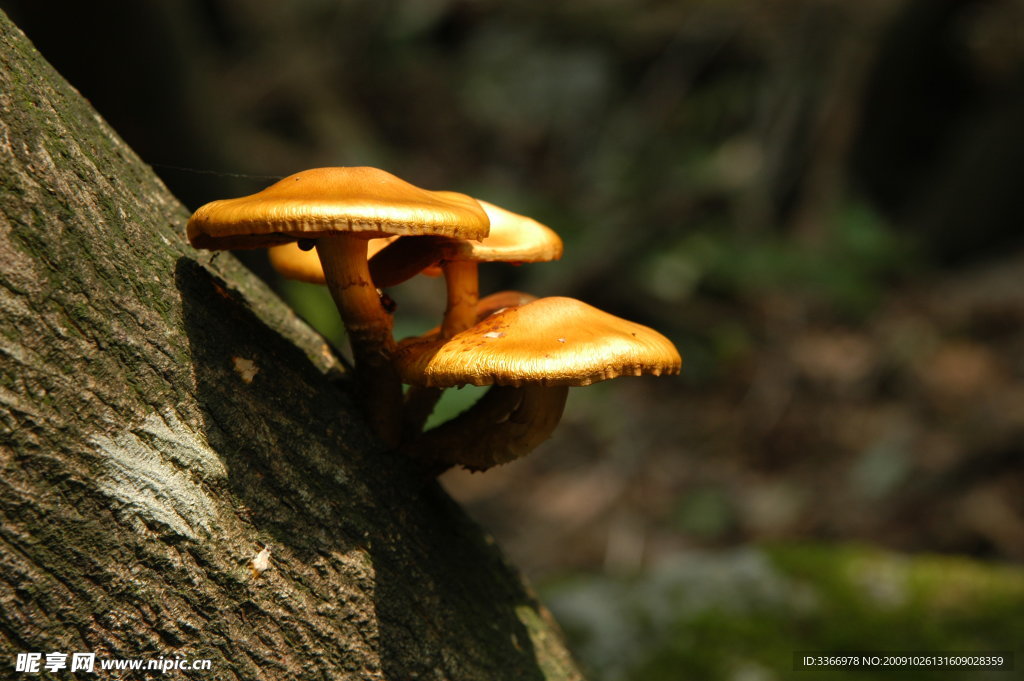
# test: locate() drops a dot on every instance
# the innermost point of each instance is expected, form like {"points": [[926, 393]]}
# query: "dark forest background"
{"points": [[818, 201]]}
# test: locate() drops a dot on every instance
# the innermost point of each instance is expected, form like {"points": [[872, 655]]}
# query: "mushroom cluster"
{"points": [[358, 230]]}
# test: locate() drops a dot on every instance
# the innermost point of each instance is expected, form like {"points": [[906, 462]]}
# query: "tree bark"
{"points": [[164, 417]]}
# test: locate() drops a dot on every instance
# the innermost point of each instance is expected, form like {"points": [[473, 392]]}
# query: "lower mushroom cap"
{"points": [[550, 341]]}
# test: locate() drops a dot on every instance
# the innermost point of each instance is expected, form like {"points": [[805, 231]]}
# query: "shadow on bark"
{"points": [[436, 598]]}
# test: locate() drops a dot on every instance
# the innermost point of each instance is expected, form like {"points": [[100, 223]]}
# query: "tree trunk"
{"points": [[164, 417]]}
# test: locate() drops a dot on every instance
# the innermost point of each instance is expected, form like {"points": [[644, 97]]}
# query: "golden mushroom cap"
{"points": [[314, 203], [550, 341], [291, 262], [513, 238]]}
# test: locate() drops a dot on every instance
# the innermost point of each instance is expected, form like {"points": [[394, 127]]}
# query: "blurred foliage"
{"points": [[313, 303], [846, 272], [734, 144], [743, 614]]}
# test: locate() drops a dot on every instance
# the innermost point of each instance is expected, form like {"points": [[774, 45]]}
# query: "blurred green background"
{"points": [[818, 201]]}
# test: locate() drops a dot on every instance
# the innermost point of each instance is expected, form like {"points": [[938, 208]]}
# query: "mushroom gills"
{"points": [[506, 424]]}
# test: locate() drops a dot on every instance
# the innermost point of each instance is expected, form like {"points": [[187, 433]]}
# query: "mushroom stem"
{"points": [[505, 424], [462, 281], [463, 291], [403, 259], [368, 325]]}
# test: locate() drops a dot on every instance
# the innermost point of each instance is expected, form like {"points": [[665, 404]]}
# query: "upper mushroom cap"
{"points": [[551, 341], [314, 203], [291, 262], [512, 238]]}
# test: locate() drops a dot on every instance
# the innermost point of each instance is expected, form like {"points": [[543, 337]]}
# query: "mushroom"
{"points": [[421, 400], [513, 238], [531, 354], [339, 209]]}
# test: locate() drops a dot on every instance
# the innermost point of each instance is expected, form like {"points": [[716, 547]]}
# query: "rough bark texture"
{"points": [[143, 464]]}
